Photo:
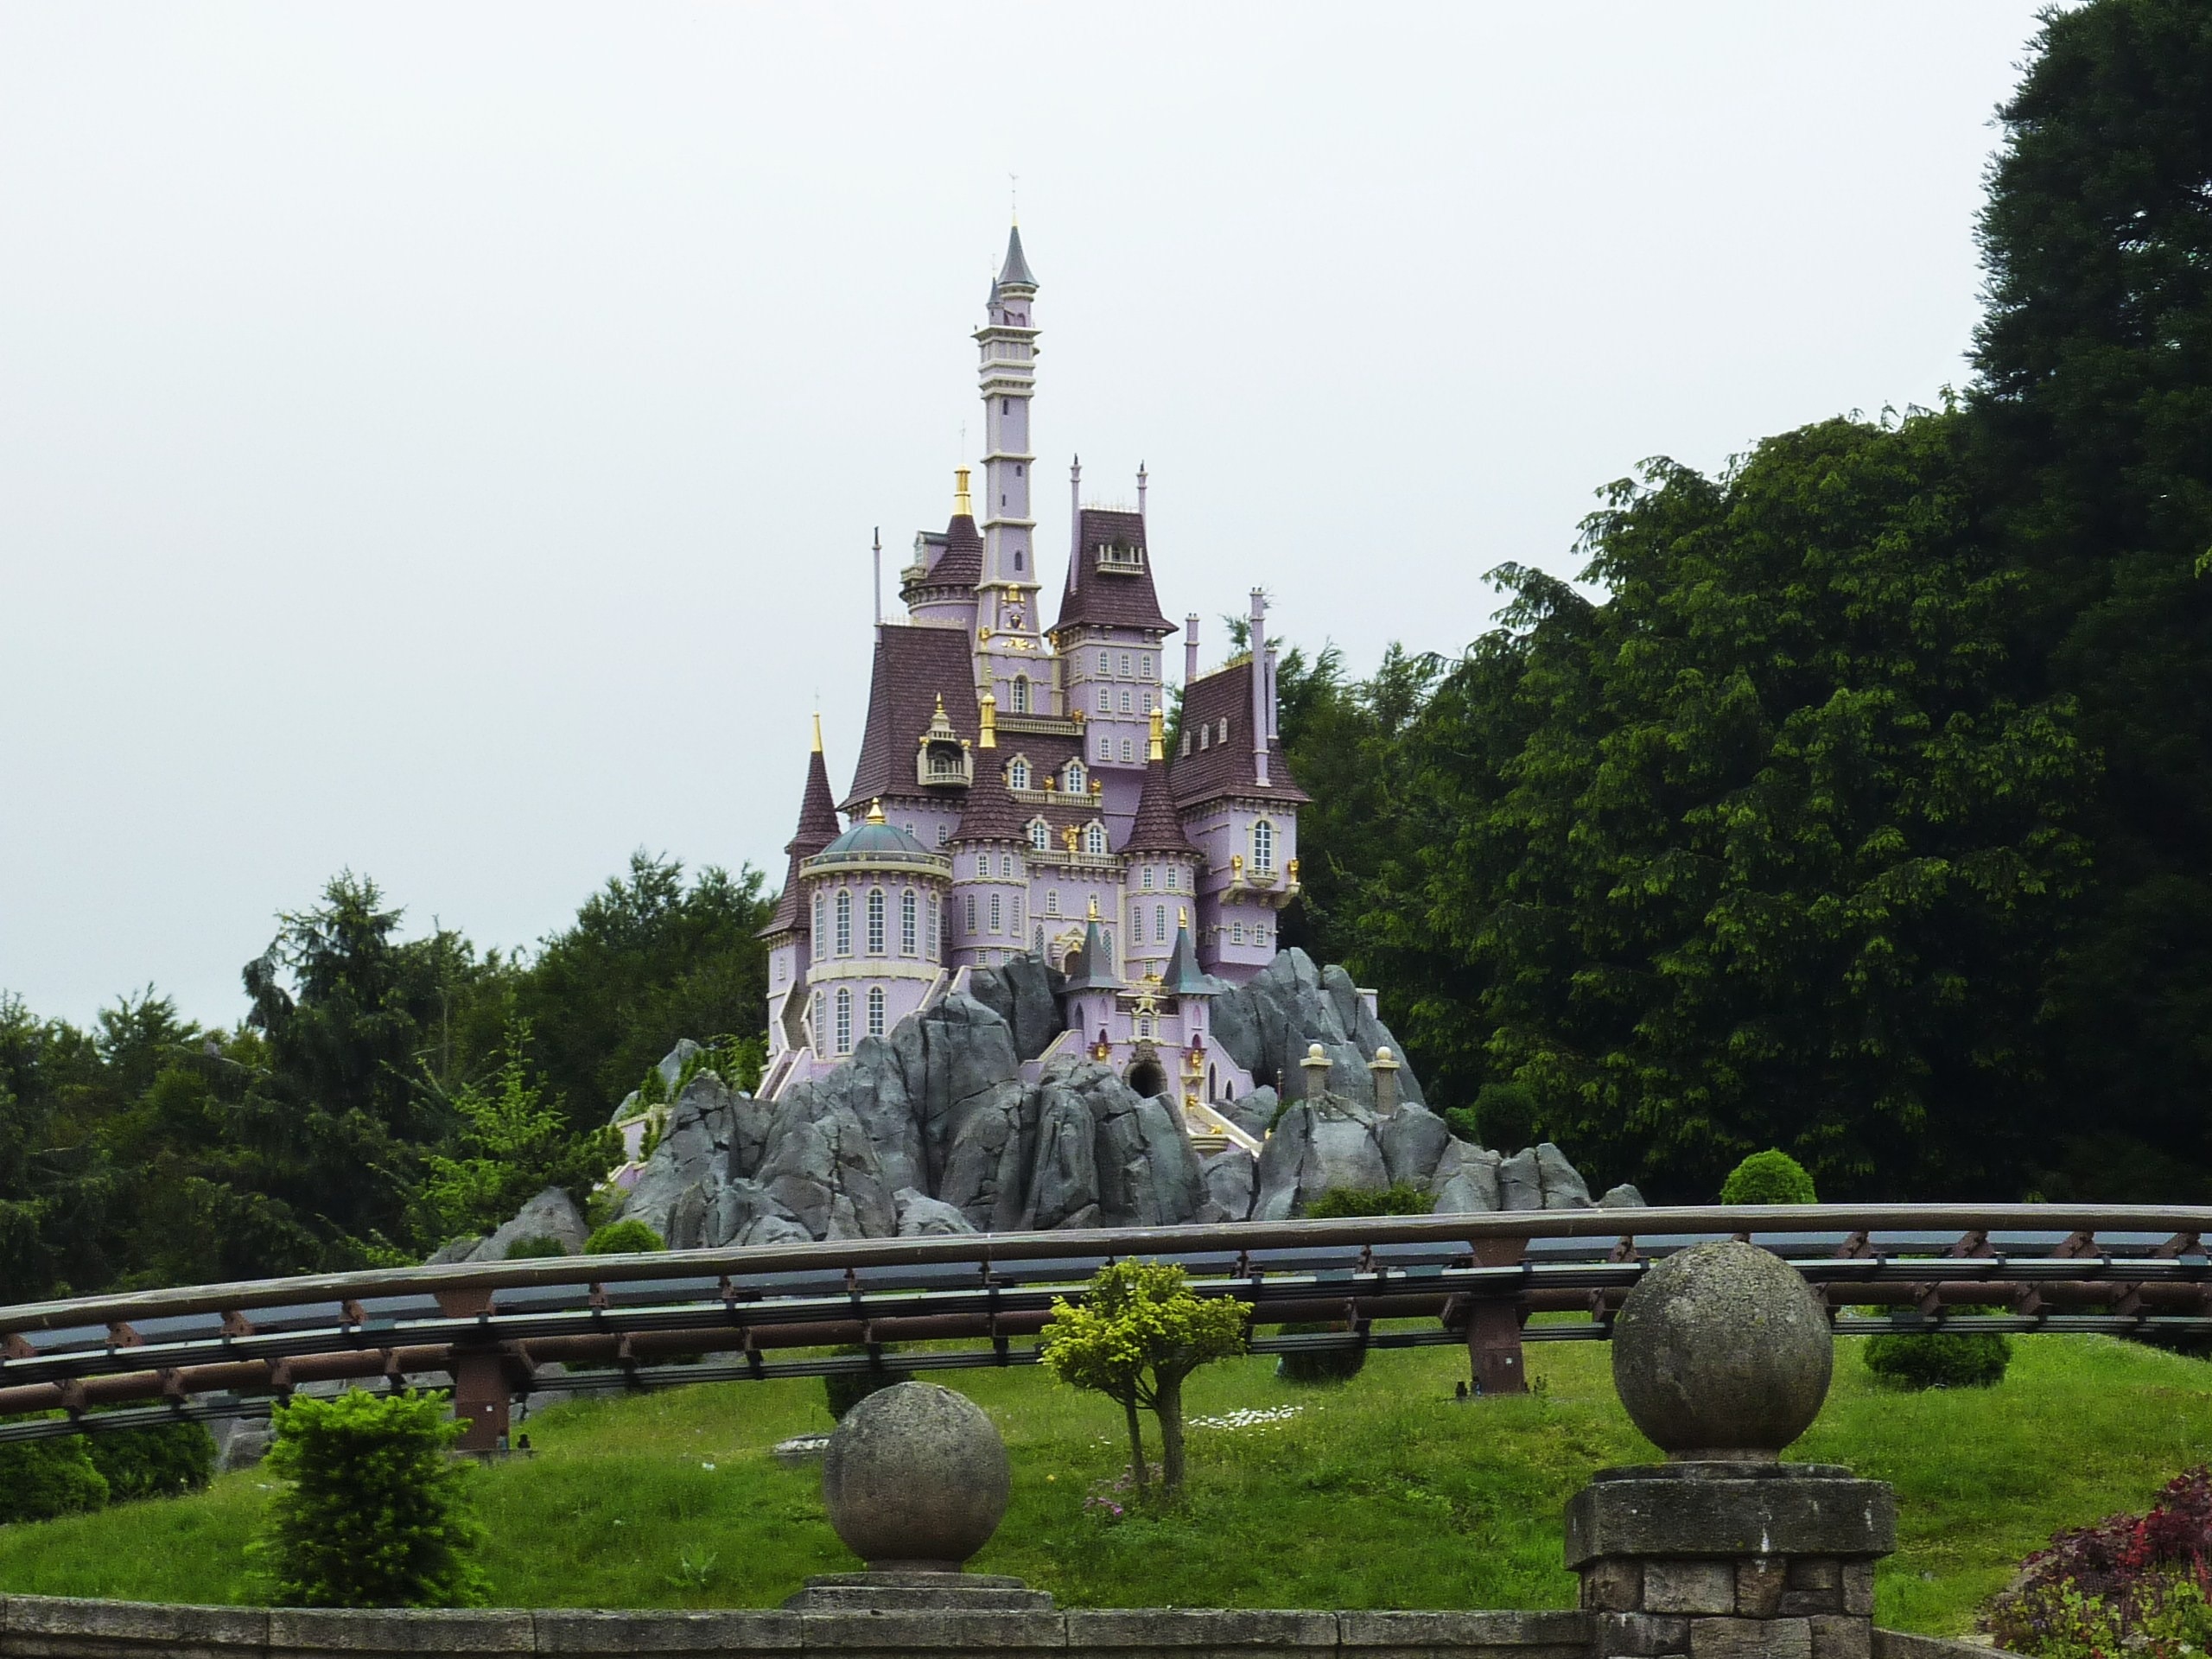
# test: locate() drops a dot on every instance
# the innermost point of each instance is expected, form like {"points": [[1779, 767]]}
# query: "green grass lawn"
{"points": [[1382, 1493]]}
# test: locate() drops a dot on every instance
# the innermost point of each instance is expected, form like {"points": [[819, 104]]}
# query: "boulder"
{"points": [[873, 1087], [949, 1056], [745, 1212], [1064, 1170], [1024, 992], [1563, 1186], [1465, 1180], [1254, 1113], [821, 1167], [1519, 1185], [1232, 1178], [1624, 1196], [1413, 1138], [552, 1214], [1145, 1173], [990, 1141], [1327, 1141], [922, 1216], [1267, 1023], [709, 1131]]}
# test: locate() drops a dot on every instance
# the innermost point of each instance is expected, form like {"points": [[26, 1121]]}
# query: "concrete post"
{"points": [[1384, 1069], [1316, 1067]]}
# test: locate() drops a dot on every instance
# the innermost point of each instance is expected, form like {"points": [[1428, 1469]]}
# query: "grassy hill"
{"points": [[1382, 1492]]}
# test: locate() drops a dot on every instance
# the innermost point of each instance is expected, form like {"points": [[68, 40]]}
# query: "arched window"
{"points": [[1105, 747], [1052, 901], [1005, 866], [1105, 699], [1093, 839], [1236, 934], [1224, 738], [1263, 845], [821, 932], [1020, 703], [844, 1019], [875, 921], [814, 1019], [994, 913], [1129, 749], [1159, 923], [1147, 878], [931, 902], [1016, 928], [1129, 702], [943, 834], [1017, 770], [1205, 739], [1074, 779], [908, 933], [876, 1011], [1040, 835], [971, 913], [1105, 666], [845, 924]]}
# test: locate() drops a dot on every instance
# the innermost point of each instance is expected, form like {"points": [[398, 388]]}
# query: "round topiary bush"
{"points": [[1940, 1359], [623, 1238], [1320, 1365], [845, 1389], [1768, 1177], [535, 1245]]}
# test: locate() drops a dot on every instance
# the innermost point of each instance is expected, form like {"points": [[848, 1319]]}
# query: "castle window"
{"points": [[907, 929], [933, 904], [1105, 747], [1020, 704], [1263, 845], [1005, 866], [1186, 745], [844, 1019], [1075, 779], [1145, 667], [1129, 702], [1017, 770], [1016, 928], [1052, 901], [876, 1011], [1144, 1027], [1040, 835], [1017, 551], [943, 834], [1105, 664], [970, 915], [1159, 923], [1105, 699], [1147, 878], [814, 1020], [845, 924], [875, 922], [1236, 934], [1038, 942], [1205, 737], [994, 913], [1129, 748], [1224, 738], [1094, 840], [821, 933], [1125, 664]]}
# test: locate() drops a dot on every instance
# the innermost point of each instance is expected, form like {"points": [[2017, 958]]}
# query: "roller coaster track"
{"points": [[485, 1330]]}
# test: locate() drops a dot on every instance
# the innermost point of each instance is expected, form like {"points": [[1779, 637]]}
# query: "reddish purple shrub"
{"points": [[2136, 1581]]}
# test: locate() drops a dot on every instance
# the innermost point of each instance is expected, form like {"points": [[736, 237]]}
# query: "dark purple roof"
{"points": [[990, 813], [1225, 768], [1110, 599], [1157, 830], [914, 666], [961, 564], [817, 828], [1016, 269]]}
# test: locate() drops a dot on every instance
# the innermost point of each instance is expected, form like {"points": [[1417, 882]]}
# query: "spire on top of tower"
{"points": [[1015, 272]]}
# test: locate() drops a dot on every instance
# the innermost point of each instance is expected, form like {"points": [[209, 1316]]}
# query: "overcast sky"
{"points": [[444, 441]]}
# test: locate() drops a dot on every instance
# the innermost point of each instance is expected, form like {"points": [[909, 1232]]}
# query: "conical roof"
{"points": [[1092, 968], [817, 828], [1183, 976], [1015, 271], [990, 813], [1157, 828]]}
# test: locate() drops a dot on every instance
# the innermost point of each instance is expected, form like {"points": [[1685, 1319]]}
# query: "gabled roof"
{"points": [[1110, 599], [914, 666], [1225, 767], [1157, 828], [1016, 269], [817, 828]]}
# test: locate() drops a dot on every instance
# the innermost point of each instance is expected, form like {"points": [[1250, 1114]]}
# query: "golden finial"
{"points": [[961, 506], [1097, 786], [817, 731], [1094, 906], [1159, 751], [1182, 916], [989, 705], [875, 812]]}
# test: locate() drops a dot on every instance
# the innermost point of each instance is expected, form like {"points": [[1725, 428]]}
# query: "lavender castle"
{"points": [[1014, 794]]}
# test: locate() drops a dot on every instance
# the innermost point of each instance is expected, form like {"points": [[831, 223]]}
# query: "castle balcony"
{"points": [[1120, 560], [940, 765], [1042, 725]]}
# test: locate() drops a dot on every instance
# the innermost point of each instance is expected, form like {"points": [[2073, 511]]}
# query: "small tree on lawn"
{"points": [[374, 1513], [1138, 1333]]}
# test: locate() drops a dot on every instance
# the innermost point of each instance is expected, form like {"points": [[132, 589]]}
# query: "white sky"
{"points": [[444, 441]]}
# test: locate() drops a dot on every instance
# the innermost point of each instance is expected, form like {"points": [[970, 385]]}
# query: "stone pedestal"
{"points": [[1730, 1561]]}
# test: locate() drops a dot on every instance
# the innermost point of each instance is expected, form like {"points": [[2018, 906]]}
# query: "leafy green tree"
{"points": [[1135, 1336], [1768, 1177], [374, 1513], [56, 1190], [40, 1479], [1771, 846], [2094, 414], [512, 1145]]}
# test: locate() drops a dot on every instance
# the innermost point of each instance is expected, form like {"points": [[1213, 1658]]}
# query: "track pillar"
{"points": [[480, 1388], [1494, 1324]]}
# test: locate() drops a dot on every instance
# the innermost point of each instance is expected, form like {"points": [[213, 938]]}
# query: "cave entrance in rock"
{"points": [[1147, 1078]]}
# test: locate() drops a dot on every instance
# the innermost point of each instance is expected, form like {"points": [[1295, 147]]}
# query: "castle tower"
{"points": [[990, 861], [787, 929], [875, 897], [1108, 634], [1008, 640], [1160, 865]]}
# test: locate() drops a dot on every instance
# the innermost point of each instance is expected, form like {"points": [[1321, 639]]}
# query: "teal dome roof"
{"points": [[866, 839]]}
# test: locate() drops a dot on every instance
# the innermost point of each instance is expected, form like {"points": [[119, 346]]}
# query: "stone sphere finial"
{"points": [[915, 1479], [1722, 1353]]}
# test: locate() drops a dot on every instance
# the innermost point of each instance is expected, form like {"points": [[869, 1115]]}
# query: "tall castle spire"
{"points": [[1007, 629]]}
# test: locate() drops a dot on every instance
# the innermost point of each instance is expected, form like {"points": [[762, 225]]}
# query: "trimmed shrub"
{"points": [[534, 1245], [1505, 1117], [39, 1479], [159, 1461], [842, 1392], [1768, 1177], [1405, 1198], [623, 1238], [1463, 1123], [373, 1512], [1940, 1359], [1327, 1365]]}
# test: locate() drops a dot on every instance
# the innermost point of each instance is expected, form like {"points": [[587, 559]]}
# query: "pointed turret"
{"points": [[1183, 976], [1157, 828], [817, 828], [1091, 969], [988, 813], [1015, 272]]}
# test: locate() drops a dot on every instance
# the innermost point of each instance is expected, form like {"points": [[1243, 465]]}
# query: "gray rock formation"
{"points": [[1466, 1181], [922, 1216], [1024, 993], [552, 1214], [821, 1167], [1268, 1024], [1624, 1196]]}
